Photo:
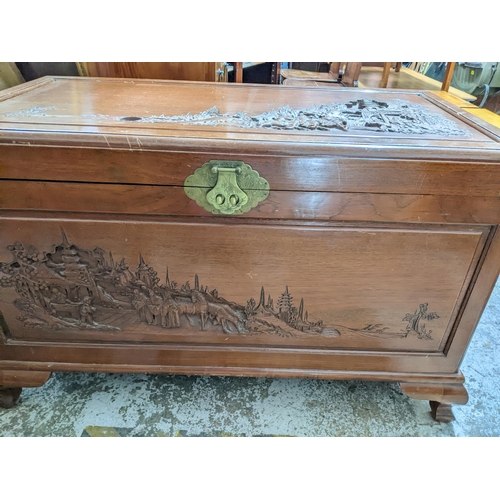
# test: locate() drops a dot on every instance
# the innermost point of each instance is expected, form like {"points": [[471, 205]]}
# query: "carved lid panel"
{"points": [[141, 114]]}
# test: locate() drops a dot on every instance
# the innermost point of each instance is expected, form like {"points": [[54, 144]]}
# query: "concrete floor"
{"points": [[78, 404]]}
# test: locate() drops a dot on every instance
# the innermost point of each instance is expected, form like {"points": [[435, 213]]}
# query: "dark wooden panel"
{"points": [[283, 173], [16, 378], [483, 281], [223, 361], [165, 200]]}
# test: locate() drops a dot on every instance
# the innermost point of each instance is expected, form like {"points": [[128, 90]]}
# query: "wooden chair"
{"points": [[338, 75]]}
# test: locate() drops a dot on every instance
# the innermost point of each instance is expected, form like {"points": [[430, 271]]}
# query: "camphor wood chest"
{"points": [[198, 228]]}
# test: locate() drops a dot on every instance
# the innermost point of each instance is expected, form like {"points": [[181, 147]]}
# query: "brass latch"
{"points": [[226, 187]]}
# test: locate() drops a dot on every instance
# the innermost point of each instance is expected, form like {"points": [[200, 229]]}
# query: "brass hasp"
{"points": [[226, 187]]}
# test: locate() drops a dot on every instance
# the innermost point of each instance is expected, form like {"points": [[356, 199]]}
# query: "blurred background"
{"points": [[477, 83]]}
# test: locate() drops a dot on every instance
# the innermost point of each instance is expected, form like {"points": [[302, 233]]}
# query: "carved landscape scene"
{"points": [[76, 289], [395, 116]]}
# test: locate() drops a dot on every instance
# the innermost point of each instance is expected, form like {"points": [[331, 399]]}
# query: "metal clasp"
{"points": [[226, 196], [226, 187]]}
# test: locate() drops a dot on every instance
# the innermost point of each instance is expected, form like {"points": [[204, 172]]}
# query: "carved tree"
{"points": [[414, 321], [250, 307], [285, 306], [270, 303], [293, 319]]}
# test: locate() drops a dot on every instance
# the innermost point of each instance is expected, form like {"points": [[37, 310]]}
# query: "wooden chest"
{"points": [[200, 228]]}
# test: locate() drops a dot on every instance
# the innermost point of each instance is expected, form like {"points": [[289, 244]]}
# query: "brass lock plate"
{"points": [[226, 187]]}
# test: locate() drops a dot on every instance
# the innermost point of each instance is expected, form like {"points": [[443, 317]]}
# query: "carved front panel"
{"points": [[331, 287]]}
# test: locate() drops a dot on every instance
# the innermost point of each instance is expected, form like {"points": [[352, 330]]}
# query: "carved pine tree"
{"points": [[250, 307], [293, 319], [270, 303], [285, 306], [301, 310]]}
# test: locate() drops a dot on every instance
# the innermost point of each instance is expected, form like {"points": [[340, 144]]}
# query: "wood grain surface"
{"points": [[317, 265], [372, 257], [292, 205], [284, 173], [106, 118]]}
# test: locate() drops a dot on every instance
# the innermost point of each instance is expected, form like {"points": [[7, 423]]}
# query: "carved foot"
{"points": [[12, 381], [9, 396], [441, 412], [441, 395]]}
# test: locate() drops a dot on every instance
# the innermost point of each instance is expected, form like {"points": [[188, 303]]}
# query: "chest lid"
{"points": [[142, 114], [154, 135]]}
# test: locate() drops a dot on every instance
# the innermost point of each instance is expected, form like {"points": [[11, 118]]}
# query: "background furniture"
{"points": [[336, 71], [9, 75], [370, 77], [254, 72], [193, 71], [344, 74]]}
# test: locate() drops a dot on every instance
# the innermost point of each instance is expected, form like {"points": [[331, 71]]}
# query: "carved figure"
{"points": [[86, 311], [139, 301], [153, 308], [57, 297], [201, 305], [169, 311]]}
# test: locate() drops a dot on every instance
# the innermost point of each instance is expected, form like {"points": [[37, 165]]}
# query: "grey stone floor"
{"points": [[76, 404]]}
